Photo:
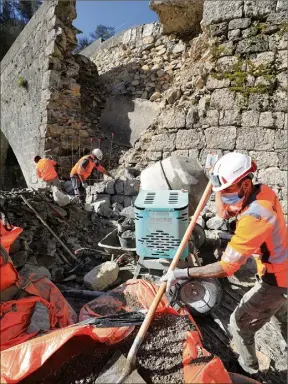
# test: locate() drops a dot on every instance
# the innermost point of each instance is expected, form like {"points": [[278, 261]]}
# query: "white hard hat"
{"points": [[230, 169], [97, 153]]}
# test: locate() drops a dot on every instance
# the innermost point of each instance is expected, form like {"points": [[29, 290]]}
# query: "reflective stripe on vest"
{"points": [[263, 212], [276, 244]]}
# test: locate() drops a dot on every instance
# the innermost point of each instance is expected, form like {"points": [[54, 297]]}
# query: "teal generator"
{"points": [[161, 220]]}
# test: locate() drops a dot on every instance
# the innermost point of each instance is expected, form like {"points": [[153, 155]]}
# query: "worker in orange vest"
{"points": [[260, 231], [83, 169], [45, 169]]}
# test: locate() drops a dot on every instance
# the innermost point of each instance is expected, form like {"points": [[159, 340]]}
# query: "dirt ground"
{"points": [[160, 357], [159, 360], [217, 340]]}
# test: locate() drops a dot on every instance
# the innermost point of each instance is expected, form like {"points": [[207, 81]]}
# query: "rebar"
{"points": [[110, 154]]}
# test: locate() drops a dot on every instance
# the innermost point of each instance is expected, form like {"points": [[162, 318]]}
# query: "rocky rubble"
{"points": [[37, 247]]}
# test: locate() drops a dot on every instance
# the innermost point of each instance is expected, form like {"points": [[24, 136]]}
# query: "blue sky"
{"points": [[119, 14]]}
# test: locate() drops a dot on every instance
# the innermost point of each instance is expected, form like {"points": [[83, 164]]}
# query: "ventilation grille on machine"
{"points": [[160, 241], [149, 199], [173, 198]]}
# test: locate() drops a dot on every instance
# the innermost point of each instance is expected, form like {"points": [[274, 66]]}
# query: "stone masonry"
{"points": [[24, 71], [50, 99], [232, 97], [140, 62], [223, 90]]}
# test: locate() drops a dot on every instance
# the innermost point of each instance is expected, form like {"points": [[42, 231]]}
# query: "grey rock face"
{"points": [[240, 23], [188, 139], [179, 16], [225, 137], [217, 11]]}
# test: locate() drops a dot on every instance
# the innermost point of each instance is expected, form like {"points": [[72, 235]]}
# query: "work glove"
{"points": [[172, 277], [84, 185]]}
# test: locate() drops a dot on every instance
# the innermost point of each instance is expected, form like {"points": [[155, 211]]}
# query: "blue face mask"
{"points": [[231, 198], [233, 201]]}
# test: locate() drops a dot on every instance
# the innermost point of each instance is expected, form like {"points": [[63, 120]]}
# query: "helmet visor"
{"points": [[215, 181]]}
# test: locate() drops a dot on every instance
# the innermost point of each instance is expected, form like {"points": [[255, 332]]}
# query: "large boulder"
{"points": [[102, 206], [182, 17], [101, 276]]}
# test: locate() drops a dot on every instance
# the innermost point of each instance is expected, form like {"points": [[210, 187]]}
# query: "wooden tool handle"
{"points": [[150, 314], [49, 229]]}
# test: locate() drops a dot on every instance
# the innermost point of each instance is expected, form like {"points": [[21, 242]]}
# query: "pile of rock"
{"points": [[109, 198], [36, 247], [215, 227]]}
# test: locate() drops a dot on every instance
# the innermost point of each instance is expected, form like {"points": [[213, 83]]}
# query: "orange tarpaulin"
{"points": [[21, 360], [16, 313]]}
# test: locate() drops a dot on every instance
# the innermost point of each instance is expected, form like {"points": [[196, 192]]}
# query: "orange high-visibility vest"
{"points": [[8, 273], [261, 230], [85, 172], [45, 169]]}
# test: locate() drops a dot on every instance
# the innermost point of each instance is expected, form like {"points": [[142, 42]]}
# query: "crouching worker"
{"points": [[29, 306], [261, 231], [83, 169], [45, 169]]}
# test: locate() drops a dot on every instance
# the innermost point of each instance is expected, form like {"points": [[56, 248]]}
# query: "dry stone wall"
{"points": [[109, 198], [140, 62], [231, 97]]}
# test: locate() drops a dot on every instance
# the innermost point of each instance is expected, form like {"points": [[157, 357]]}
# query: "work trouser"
{"points": [[254, 310], [79, 190], [53, 182]]}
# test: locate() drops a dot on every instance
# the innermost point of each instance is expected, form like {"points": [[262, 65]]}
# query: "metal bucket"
{"points": [[127, 242]]}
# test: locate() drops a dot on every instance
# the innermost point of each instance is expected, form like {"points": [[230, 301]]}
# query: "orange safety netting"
{"points": [[21, 360]]}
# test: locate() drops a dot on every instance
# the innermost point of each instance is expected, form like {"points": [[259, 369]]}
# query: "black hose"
{"points": [[83, 294]]}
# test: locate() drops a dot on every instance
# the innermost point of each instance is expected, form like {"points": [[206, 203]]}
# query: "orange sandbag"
{"points": [[8, 237], [16, 314], [8, 273], [143, 292], [23, 359]]}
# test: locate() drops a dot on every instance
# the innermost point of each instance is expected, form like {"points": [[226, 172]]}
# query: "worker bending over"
{"points": [[83, 169], [45, 169], [260, 231]]}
